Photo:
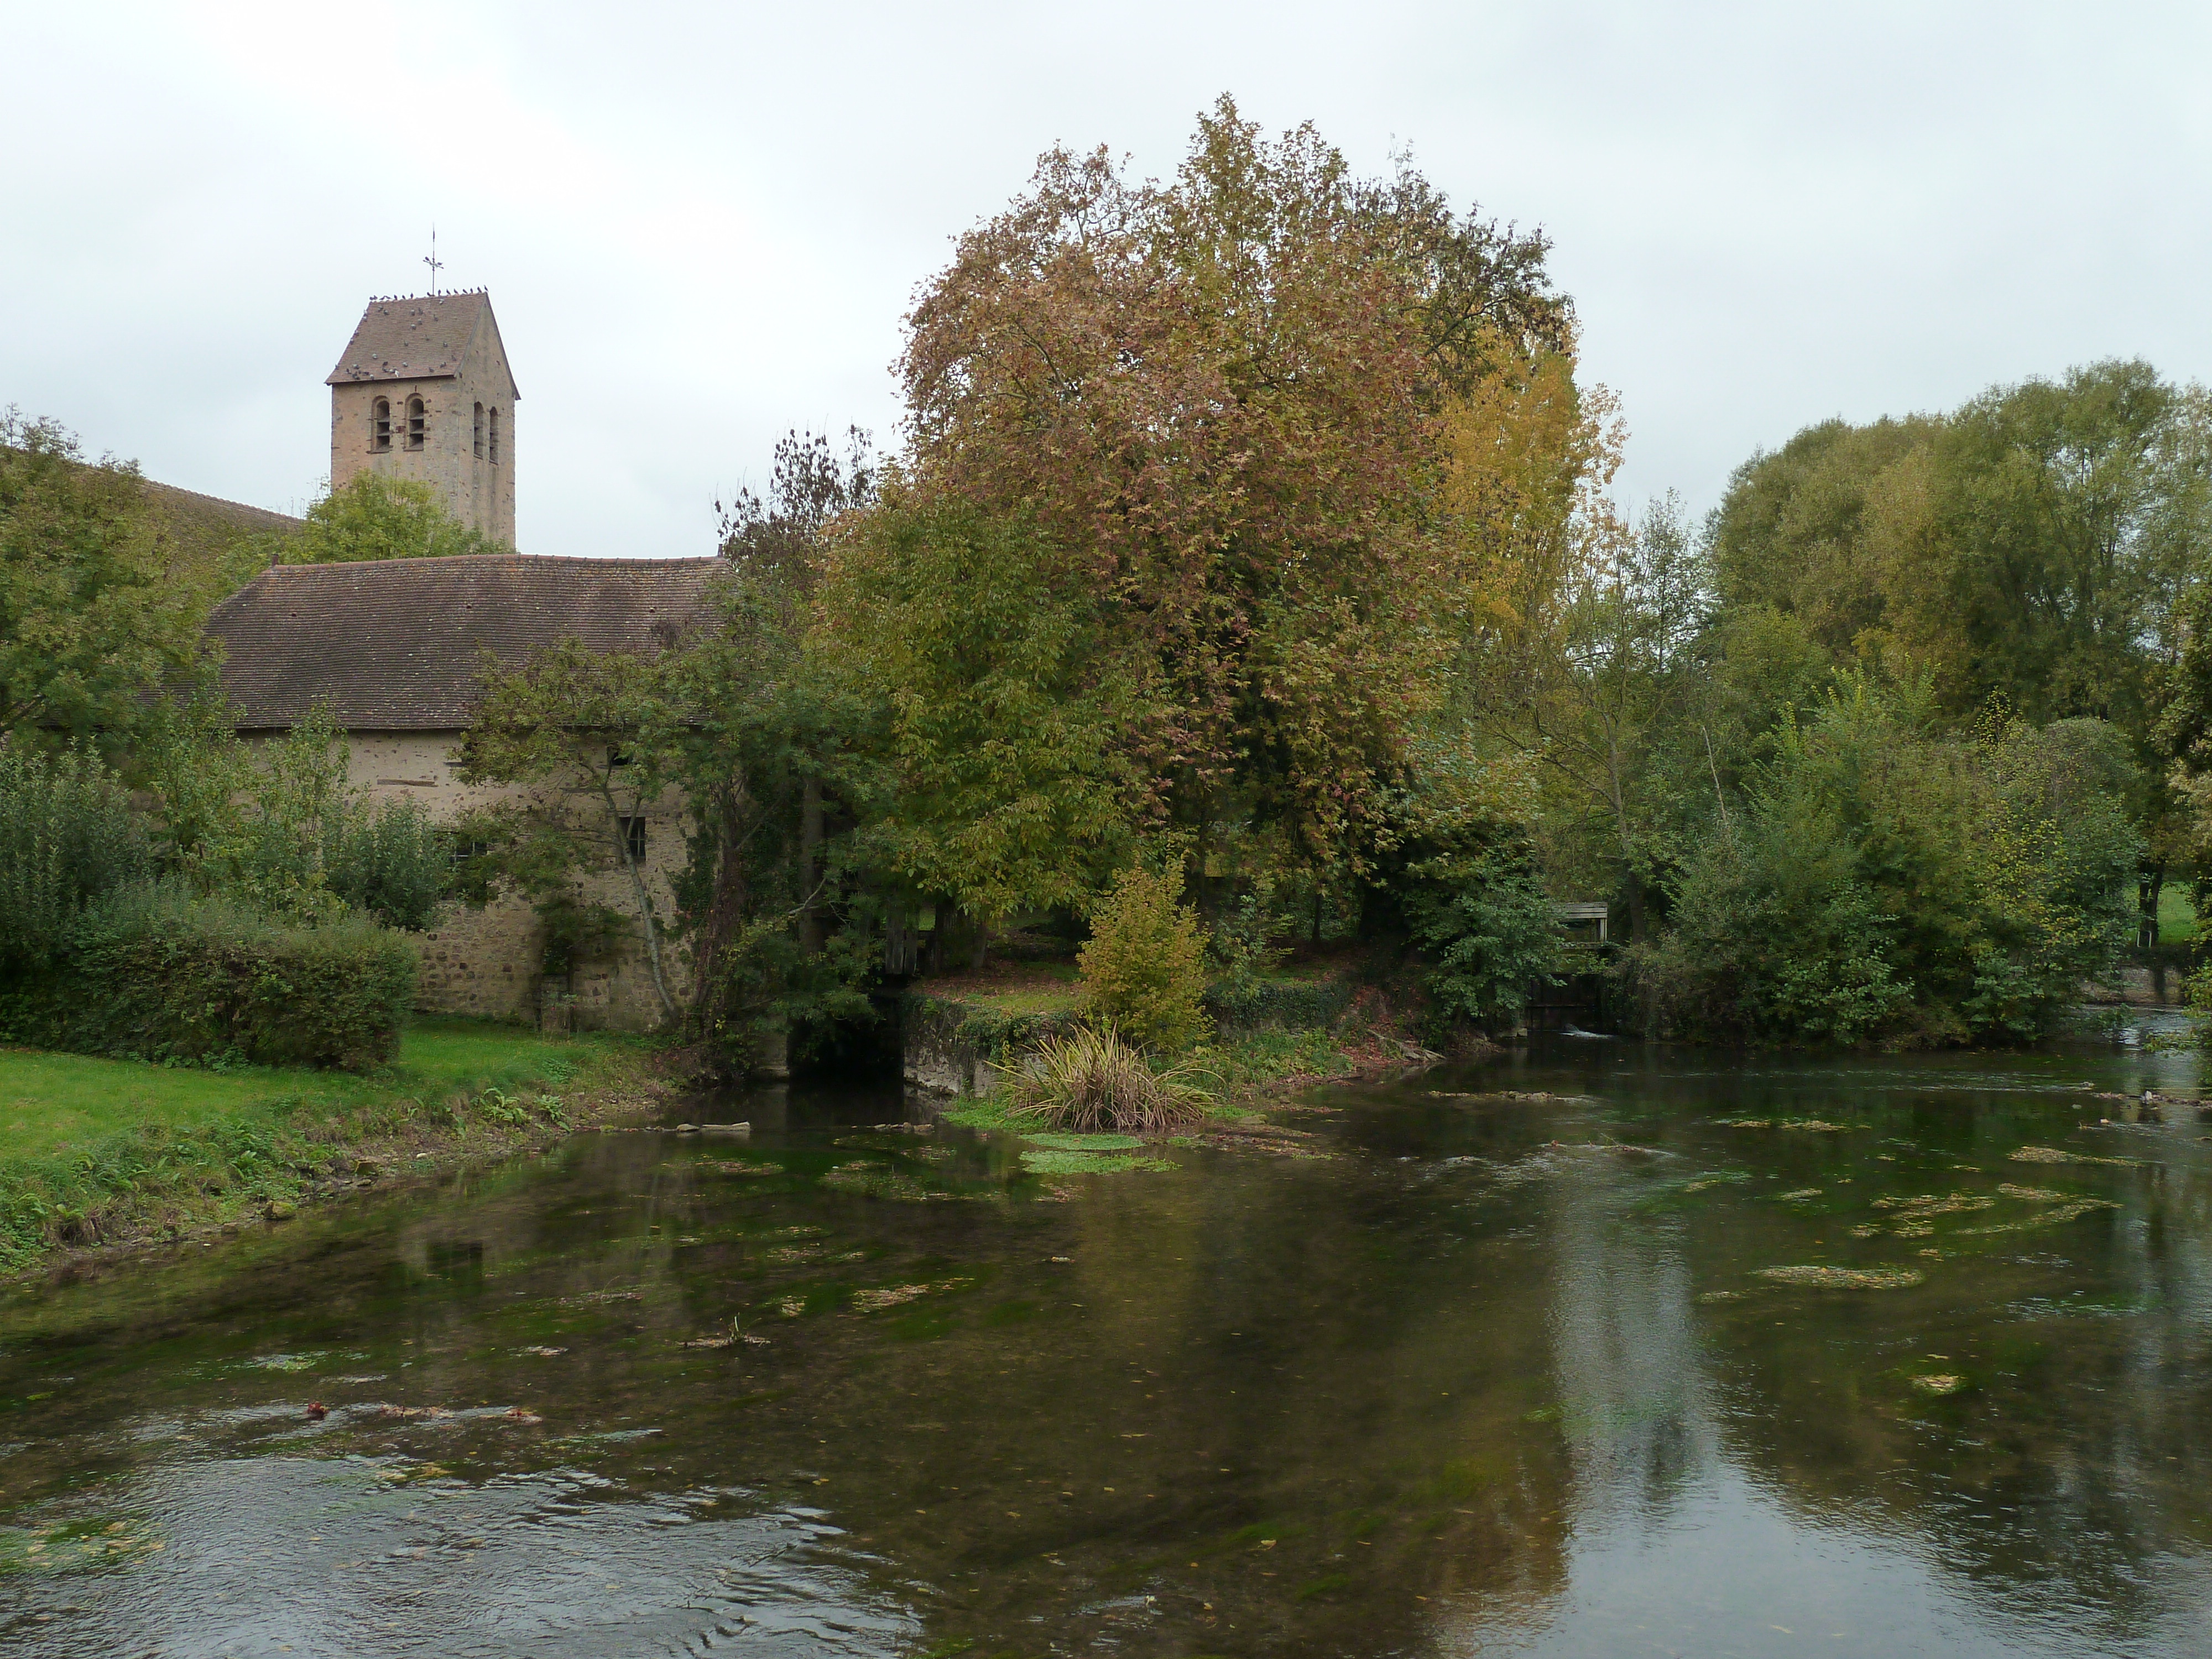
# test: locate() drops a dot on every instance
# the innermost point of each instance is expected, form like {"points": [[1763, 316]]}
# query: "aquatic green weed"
{"points": [[1048, 1162], [1064, 1143]]}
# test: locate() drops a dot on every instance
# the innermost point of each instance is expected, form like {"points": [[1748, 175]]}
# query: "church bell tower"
{"points": [[424, 392]]}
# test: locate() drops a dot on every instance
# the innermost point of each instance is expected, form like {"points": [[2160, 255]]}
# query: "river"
{"points": [[1485, 1374]]}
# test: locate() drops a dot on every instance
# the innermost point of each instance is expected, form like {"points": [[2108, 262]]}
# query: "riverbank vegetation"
{"points": [[98, 1152], [1251, 540]]}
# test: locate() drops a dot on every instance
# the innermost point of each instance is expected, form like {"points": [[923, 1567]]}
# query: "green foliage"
{"points": [[573, 932], [1144, 968], [91, 616], [68, 836], [1092, 1080], [594, 738], [158, 973], [387, 859], [1484, 927], [375, 517], [1264, 1002], [1886, 880], [274, 825], [976, 637]]}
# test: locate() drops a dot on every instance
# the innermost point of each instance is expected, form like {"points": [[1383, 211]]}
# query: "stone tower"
{"points": [[424, 392]]}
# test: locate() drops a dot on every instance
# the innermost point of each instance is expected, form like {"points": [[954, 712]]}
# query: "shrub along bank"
{"points": [[156, 973], [99, 1151]]}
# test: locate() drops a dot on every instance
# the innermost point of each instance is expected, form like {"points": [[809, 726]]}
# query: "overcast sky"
{"points": [[701, 223]]}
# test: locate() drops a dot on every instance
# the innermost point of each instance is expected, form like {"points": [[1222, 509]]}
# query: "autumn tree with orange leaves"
{"points": [[1279, 441]]}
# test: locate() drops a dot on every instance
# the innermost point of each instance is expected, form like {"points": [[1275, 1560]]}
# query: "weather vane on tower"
{"points": [[432, 261]]}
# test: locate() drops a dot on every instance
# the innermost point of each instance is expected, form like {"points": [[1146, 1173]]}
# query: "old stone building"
{"points": [[392, 651], [423, 392]]}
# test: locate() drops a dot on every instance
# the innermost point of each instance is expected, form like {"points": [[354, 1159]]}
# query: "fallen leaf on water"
{"points": [[527, 1419], [1943, 1382], [541, 1350]]}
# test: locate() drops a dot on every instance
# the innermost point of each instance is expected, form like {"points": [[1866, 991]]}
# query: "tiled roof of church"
{"points": [[397, 645], [413, 339]]}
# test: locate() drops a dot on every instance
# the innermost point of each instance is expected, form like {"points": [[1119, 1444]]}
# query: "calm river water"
{"points": [[1494, 1375]]}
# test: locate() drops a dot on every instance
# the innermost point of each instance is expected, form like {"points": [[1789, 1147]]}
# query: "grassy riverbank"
{"points": [[105, 1152]]}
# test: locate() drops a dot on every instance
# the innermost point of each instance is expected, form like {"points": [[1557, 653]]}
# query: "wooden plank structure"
{"points": [[1578, 997]]}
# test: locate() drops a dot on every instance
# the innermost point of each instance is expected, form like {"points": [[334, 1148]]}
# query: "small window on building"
{"points": [[480, 429], [379, 424], [617, 758], [491, 439], [633, 834], [414, 422]]}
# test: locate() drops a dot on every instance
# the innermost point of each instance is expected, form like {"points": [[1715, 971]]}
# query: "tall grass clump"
{"points": [[1094, 1081], [1144, 970]]}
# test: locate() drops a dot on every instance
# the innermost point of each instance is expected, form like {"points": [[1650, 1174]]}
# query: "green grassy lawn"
{"points": [[97, 1151], [2177, 916], [52, 1103]]}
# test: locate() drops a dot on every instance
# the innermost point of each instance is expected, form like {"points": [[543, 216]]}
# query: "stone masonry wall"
{"points": [[478, 491], [485, 960]]}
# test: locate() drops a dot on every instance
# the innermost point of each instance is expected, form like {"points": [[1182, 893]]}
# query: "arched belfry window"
{"points": [[480, 432], [415, 418], [492, 417], [379, 424]]}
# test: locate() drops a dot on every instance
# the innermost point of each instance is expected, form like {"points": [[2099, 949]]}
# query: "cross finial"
{"points": [[432, 260]]}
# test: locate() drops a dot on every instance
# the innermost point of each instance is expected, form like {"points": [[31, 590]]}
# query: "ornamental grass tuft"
{"points": [[1094, 1080]]}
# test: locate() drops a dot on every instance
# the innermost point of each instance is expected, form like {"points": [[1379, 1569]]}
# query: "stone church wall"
{"points": [[479, 491]]}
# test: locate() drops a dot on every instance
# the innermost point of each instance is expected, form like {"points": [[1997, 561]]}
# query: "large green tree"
{"points": [[91, 619], [1218, 405]]}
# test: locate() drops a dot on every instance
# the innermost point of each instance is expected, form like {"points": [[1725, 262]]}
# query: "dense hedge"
{"points": [[1291, 1004], [155, 973]]}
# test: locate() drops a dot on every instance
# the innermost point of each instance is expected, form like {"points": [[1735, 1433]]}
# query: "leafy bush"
{"points": [[1891, 882], [389, 860], [1487, 930], [67, 836], [157, 973], [1091, 1080], [572, 932], [1265, 1004], [1144, 968]]}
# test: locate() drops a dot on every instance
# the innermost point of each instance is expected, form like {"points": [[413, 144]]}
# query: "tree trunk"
{"points": [[2150, 884], [644, 900], [810, 864]]}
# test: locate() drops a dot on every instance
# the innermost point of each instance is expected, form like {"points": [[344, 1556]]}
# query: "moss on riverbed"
{"points": [[99, 1153]]}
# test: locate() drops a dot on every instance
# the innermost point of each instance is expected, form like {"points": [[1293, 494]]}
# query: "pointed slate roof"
{"points": [[425, 338], [397, 645]]}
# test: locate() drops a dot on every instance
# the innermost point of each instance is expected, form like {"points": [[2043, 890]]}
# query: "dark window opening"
{"points": [[633, 834], [617, 758], [479, 432], [379, 424], [415, 423], [491, 417]]}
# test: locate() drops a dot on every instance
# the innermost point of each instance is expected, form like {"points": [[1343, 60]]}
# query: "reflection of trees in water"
{"points": [[1632, 1399], [2061, 1482]]}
